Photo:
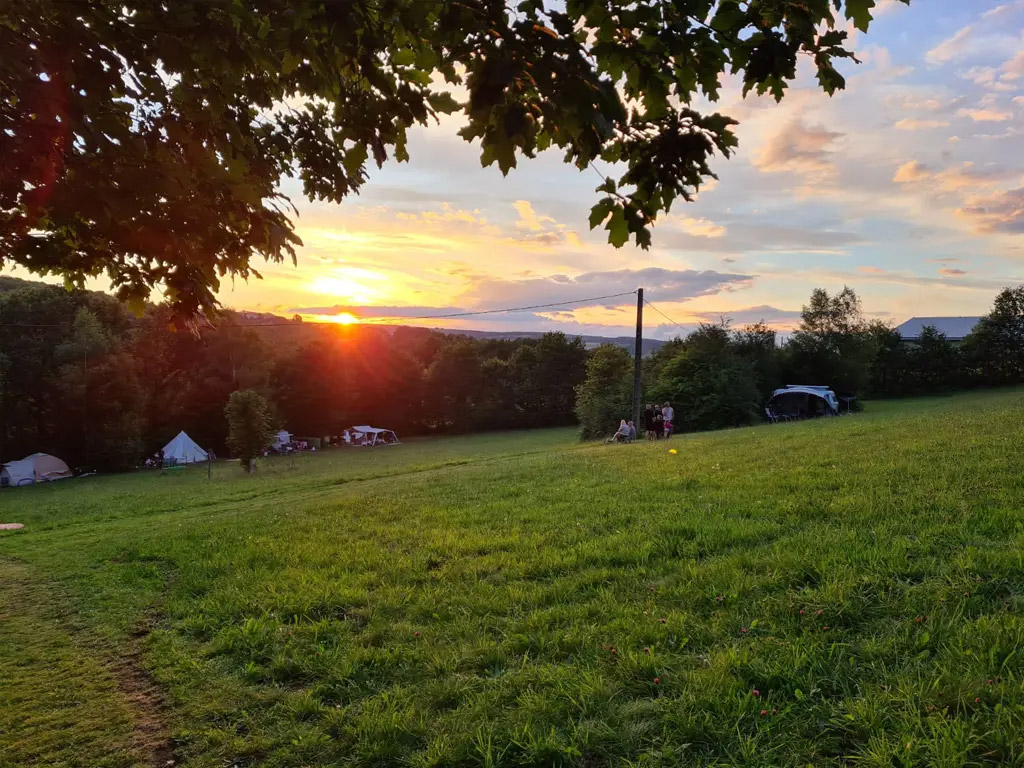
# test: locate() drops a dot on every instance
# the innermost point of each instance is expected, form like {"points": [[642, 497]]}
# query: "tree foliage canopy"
{"points": [[249, 424], [147, 141]]}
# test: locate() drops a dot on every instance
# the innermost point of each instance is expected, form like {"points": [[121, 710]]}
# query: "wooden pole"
{"points": [[638, 358]]}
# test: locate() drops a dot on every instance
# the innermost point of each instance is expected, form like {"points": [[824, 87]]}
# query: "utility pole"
{"points": [[638, 358]]}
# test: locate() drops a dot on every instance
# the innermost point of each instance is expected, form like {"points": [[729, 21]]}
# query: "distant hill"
{"points": [[649, 345]]}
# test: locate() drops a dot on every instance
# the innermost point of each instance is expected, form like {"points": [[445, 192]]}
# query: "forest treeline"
{"points": [[85, 379], [721, 377]]}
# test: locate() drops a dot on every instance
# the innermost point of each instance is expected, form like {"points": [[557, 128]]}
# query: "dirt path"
{"points": [[71, 699]]}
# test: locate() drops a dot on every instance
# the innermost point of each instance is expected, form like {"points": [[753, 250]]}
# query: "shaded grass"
{"points": [[521, 601]]}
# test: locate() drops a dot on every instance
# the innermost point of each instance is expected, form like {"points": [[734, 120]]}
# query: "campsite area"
{"points": [[783, 595]]}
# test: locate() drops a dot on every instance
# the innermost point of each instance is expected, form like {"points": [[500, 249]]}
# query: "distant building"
{"points": [[955, 328]]}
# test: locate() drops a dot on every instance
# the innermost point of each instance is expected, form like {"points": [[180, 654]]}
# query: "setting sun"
{"points": [[343, 318]]}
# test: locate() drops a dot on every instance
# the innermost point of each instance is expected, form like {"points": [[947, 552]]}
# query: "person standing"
{"points": [[649, 421], [668, 413]]}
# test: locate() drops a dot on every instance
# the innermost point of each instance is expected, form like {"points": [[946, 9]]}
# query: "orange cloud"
{"points": [[912, 124], [984, 115]]}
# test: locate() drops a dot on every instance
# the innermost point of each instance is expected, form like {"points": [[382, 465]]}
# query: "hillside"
{"points": [[802, 594]]}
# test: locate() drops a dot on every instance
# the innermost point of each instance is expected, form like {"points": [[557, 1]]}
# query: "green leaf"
{"points": [[618, 227], [600, 212], [444, 103], [355, 158], [404, 57], [859, 12]]}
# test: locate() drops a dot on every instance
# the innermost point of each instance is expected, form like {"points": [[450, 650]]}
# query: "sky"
{"points": [[908, 186]]}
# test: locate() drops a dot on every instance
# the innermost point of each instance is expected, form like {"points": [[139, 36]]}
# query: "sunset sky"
{"points": [[908, 186]]}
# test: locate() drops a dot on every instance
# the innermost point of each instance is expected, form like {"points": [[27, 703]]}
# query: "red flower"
{"points": [[801, 611], [647, 650], [415, 634], [756, 693], [775, 711], [743, 630], [820, 612], [764, 712], [657, 681], [977, 700]]}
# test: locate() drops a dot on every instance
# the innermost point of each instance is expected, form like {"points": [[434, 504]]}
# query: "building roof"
{"points": [[955, 328]]}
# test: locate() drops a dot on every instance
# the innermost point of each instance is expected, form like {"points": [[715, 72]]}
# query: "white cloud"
{"points": [[985, 115], [798, 147], [951, 48], [998, 212], [1014, 68]]}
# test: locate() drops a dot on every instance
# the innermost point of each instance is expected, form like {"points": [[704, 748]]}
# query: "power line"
{"points": [[678, 325], [292, 324]]}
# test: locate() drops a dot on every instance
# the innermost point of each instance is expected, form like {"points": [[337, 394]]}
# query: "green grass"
{"points": [[520, 600]]}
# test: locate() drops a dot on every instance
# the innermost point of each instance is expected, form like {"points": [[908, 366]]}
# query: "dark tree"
{"points": [[250, 427], [605, 396], [833, 345], [756, 344], [995, 348], [934, 363], [147, 141], [708, 383]]}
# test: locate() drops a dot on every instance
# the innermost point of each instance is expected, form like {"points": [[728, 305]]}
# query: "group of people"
{"points": [[658, 420], [657, 423]]}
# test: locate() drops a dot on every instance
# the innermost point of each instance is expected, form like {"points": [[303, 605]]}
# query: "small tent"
{"points": [[373, 436], [183, 450], [37, 468], [281, 438]]}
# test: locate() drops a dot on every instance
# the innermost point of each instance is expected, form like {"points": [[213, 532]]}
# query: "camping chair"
{"points": [[770, 415]]}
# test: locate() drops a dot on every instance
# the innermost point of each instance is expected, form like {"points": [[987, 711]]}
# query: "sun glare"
{"points": [[342, 318], [344, 287]]}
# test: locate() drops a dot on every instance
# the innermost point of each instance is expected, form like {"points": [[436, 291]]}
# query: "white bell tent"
{"points": [[183, 450]]}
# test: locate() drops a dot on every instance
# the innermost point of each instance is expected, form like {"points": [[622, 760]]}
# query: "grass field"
{"points": [[840, 592]]}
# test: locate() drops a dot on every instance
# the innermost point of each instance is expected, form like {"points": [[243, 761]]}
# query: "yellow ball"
{"points": [[673, 451]]}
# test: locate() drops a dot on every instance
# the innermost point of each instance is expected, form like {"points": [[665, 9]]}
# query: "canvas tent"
{"points": [[281, 438], [37, 468], [183, 450], [373, 436]]}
